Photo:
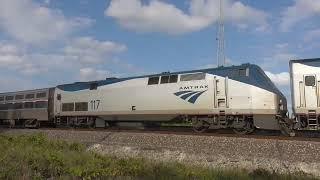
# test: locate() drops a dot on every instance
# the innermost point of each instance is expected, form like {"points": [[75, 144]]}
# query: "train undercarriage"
{"points": [[240, 124]]}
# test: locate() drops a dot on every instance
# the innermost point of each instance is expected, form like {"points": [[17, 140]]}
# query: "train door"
{"points": [[51, 103], [57, 103], [220, 93], [310, 92]]}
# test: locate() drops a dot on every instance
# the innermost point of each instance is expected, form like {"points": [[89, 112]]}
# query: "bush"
{"points": [[37, 157]]}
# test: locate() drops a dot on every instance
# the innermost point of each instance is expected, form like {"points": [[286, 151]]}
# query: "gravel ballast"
{"points": [[283, 156]]}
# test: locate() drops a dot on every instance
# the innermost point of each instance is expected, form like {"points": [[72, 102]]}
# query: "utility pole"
{"points": [[220, 38]]}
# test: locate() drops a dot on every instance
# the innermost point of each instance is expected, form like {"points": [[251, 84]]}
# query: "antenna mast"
{"points": [[221, 41]]}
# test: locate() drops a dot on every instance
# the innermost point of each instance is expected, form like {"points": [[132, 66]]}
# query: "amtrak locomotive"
{"points": [[239, 97]]}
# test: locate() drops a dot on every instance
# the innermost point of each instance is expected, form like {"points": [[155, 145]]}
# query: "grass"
{"points": [[37, 157]]}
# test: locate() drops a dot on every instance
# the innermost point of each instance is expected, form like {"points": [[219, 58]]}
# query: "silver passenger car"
{"points": [[25, 108]]}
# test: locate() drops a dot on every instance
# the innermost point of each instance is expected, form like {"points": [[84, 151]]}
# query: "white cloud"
{"points": [[14, 58], [10, 55], [207, 66], [280, 79], [284, 56], [312, 35], [89, 74], [282, 45], [243, 15], [29, 22], [280, 54], [76, 55], [279, 57], [299, 11], [159, 16], [228, 62], [13, 83], [47, 2], [87, 50]]}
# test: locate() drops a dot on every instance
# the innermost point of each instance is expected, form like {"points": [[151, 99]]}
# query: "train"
{"points": [[241, 98]]}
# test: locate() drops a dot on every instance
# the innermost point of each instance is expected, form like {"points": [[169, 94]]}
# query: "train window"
{"points": [[310, 81], [81, 106], [153, 80], [164, 79], [20, 96], [192, 77], [1, 98], [67, 106], [233, 73], [93, 86], [41, 95], [9, 98], [41, 104], [18, 106], [238, 73], [9, 106], [242, 72], [28, 105], [59, 97], [173, 79], [29, 96], [3, 107]]}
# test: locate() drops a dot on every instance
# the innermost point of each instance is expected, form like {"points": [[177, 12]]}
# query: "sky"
{"points": [[44, 43]]}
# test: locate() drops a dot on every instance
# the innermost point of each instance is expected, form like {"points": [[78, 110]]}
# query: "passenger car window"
{"points": [[28, 105], [18, 105], [153, 80], [310, 80], [41, 95], [41, 104], [20, 96], [192, 77], [164, 79], [173, 79], [9, 98], [29, 96], [3, 107], [9, 106]]}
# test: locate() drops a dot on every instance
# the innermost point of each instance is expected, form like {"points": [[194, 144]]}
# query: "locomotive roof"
{"points": [[256, 77], [304, 60], [310, 62], [221, 69]]}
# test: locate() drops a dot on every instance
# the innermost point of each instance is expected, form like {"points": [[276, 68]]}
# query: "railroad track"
{"points": [[259, 134], [187, 130]]}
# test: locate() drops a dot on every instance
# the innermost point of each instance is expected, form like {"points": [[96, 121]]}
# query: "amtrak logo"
{"points": [[190, 96]]}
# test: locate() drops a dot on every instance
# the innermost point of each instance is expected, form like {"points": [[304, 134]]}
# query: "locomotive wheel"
{"points": [[199, 126], [91, 123], [247, 128]]}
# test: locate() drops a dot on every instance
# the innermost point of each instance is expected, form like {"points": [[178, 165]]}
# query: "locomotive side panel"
{"points": [[135, 97]]}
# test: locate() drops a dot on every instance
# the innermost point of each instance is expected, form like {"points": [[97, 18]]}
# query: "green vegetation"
{"points": [[36, 157]]}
